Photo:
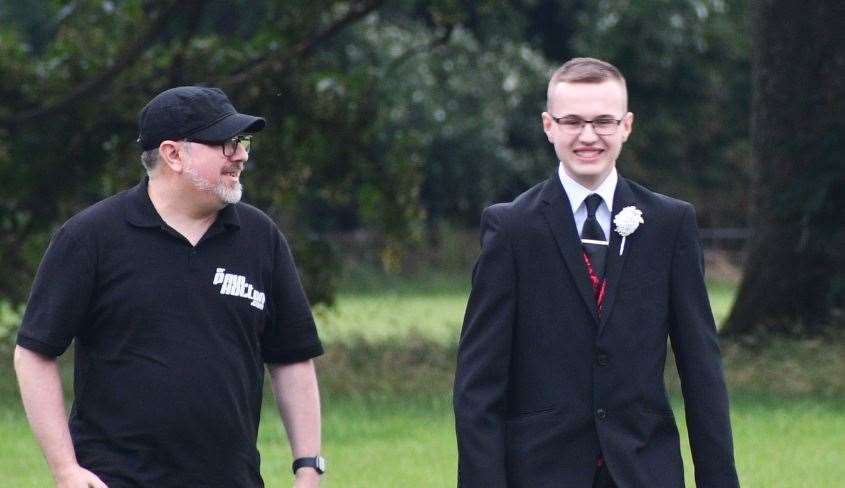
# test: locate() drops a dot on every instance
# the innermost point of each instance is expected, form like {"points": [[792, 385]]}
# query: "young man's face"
{"points": [[587, 157]]}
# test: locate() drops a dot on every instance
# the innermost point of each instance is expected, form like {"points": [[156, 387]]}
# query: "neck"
{"points": [[175, 203], [590, 182]]}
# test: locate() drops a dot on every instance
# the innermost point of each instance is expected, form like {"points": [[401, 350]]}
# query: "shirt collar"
{"points": [[140, 211], [577, 193]]}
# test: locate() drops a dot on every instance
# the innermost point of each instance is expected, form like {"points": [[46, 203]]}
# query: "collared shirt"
{"points": [[578, 193], [171, 339]]}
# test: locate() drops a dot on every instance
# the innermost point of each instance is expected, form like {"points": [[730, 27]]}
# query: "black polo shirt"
{"points": [[170, 338]]}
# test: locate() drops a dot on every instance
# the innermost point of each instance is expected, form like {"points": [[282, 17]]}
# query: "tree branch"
{"points": [[97, 84], [438, 41], [302, 49], [194, 10]]}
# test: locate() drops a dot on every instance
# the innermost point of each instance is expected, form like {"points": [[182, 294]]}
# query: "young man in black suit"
{"points": [[580, 282]]}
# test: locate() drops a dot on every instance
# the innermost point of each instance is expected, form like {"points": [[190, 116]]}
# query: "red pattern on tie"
{"points": [[599, 291], [599, 285]]}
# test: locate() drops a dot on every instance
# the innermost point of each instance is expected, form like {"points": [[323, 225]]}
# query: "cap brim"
{"points": [[229, 127]]}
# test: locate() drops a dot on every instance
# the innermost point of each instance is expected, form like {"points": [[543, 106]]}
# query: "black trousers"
{"points": [[603, 479]]}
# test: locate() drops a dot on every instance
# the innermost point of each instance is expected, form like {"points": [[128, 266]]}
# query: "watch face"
{"points": [[321, 464]]}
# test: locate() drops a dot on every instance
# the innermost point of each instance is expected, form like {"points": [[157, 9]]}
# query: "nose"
{"points": [[241, 155], [588, 134]]}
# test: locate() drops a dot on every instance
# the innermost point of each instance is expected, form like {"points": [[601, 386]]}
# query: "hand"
{"points": [[306, 478], [79, 477]]}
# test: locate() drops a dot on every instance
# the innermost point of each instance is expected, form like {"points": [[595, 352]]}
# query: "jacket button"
{"points": [[602, 359], [601, 414]]}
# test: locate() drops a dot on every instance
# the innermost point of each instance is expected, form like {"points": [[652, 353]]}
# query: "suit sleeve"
{"points": [[481, 378], [696, 348]]}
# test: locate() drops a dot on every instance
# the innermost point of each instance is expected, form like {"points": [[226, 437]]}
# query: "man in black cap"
{"points": [[177, 295]]}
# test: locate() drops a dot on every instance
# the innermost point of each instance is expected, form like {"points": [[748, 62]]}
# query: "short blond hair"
{"points": [[585, 70]]}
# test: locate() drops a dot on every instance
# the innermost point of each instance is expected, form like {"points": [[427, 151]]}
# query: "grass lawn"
{"points": [[387, 418], [409, 442], [435, 312]]}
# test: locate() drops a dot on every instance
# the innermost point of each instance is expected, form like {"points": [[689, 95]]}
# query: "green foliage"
{"points": [[317, 262], [688, 72], [10, 319], [351, 126], [390, 117]]}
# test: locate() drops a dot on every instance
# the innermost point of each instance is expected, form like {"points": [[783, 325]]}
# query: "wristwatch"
{"points": [[316, 462]]}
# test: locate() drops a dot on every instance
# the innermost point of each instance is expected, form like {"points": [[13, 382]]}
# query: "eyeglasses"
{"points": [[603, 126], [229, 146]]}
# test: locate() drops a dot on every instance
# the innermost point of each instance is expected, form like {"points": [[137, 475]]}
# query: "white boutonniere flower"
{"points": [[627, 221]]}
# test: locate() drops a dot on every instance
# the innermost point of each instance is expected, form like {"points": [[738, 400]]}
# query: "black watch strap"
{"points": [[317, 462]]}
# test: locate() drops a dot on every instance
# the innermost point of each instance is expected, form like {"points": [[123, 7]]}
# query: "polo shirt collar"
{"points": [[140, 211], [228, 216]]}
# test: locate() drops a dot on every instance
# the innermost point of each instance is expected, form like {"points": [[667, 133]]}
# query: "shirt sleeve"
{"points": [[291, 336], [57, 305]]}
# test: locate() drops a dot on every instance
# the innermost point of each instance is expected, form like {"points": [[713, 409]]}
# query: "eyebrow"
{"points": [[582, 118]]}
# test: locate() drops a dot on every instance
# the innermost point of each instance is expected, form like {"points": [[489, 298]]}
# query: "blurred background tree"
{"points": [[387, 117], [794, 278]]}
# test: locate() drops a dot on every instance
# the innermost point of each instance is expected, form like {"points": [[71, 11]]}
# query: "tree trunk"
{"points": [[794, 278]]}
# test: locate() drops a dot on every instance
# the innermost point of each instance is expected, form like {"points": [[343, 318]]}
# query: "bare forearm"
{"points": [[298, 398], [41, 392]]}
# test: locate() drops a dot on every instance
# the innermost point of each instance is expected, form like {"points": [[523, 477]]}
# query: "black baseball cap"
{"points": [[196, 112]]}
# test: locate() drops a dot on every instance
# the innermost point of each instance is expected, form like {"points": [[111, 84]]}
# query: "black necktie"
{"points": [[592, 236]]}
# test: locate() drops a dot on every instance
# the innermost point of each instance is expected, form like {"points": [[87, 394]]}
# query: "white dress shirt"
{"points": [[577, 194]]}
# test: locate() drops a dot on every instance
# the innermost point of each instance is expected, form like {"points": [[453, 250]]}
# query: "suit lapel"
{"points": [[558, 214], [622, 197]]}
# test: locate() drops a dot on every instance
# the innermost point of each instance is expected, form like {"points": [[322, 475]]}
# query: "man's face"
{"points": [[587, 157], [208, 170]]}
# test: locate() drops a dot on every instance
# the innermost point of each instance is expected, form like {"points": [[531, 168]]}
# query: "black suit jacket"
{"points": [[544, 384]]}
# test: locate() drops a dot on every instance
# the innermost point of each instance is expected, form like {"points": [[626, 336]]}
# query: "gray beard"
{"points": [[228, 195]]}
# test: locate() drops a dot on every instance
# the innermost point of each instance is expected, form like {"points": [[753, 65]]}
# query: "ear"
{"points": [[627, 126], [172, 155], [548, 125]]}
